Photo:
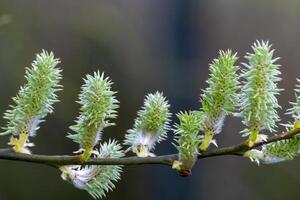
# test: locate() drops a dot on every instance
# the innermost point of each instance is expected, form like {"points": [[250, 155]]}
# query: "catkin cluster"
{"points": [[248, 92]]}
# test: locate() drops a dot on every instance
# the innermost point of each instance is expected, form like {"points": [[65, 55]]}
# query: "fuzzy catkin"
{"points": [[258, 101], [219, 99], [151, 125], [97, 180], [34, 101], [187, 140], [98, 106]]}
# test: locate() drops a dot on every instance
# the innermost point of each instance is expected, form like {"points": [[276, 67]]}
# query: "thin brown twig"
{"points": [[59, 160]]}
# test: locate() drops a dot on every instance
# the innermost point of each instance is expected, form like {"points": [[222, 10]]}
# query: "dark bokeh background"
{"points": [[145, 46]]}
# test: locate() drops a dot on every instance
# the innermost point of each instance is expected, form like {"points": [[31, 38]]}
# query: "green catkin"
{"points": [[34, 101], [294, 111], [151, 125], [220, 98], [276, 151], [98, 106], [187, 141], [97, 180], [258, 101]]}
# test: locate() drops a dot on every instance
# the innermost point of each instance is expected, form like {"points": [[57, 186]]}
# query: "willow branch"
{"points": [[239, 150]]}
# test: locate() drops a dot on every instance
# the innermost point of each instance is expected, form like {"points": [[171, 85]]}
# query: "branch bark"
{"points": [[59, 160]]}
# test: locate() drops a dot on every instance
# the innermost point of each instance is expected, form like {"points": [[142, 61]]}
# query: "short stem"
{"points": [[86, 154], [253, 137], [19, 144], [208, 136], [296, 124]]}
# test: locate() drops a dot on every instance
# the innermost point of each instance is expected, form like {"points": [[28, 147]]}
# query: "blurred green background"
{"points": [[145, 46]]}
